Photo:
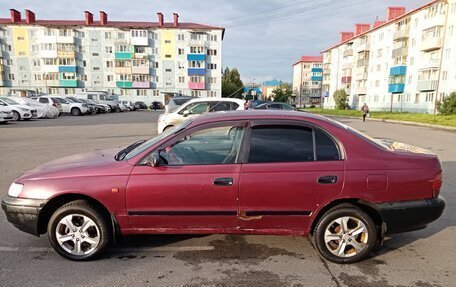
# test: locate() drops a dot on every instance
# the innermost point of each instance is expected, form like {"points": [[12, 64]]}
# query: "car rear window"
{"points": [[180, 102]]}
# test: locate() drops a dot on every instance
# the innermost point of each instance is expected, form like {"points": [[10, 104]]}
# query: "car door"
{"points": [[290, 168], [195, 186]]}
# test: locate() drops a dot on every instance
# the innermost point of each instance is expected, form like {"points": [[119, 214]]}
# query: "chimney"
{"points": [[160, 19], [15, 16], [103, 18], [394, 12], [378, 23], [344, 36], [176, 20], [361, 28], [88, 18], [29, 17]]}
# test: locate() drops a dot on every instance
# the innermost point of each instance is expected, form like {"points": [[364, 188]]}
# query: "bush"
{"points": [[448, 105], [341, 99]]}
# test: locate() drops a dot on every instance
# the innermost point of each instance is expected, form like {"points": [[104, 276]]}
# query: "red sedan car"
{"points": [[247, 172]]}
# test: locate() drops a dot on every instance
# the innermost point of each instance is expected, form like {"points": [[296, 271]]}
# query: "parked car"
{"points": [[19, 111], [99, 97], [68, 106], [100, 108], [274, 106], [238, 172], [250, 104], [122, 107], [43, 111], [92, 109], [50, 101], [139, 105], [6, 114], [156, 105], [195, 107], [173, 103], [130, 106]]}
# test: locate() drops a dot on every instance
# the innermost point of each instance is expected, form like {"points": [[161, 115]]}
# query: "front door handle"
{"points": [[223, 181], [327, 179]]}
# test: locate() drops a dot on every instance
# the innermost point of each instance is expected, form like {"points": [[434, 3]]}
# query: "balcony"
{"points": [[429, 85], [47, 39], [143, 70], [315, 95], [401, 34], [362, 62], [430, 63], [141, 85], [66, 54], [2, 83], [69, 83], [140, 41], [124, 84], [48, 54], [361, 76], [348, 53], [431, 44], [398, 71], [363, 47], [400, 52], [65, 39], [396, 88], [196, 57], [196, 71], [123, 55], [317, 78], [361, 90], [52, 83], [346, 79], [346, 66], [317, 70], [198, 43], [437, 20], [67, 69], [122, 70], [196, 86], [141, 55], [50, 69]]}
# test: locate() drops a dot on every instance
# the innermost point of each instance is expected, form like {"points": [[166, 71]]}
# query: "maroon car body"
{"points": [[397, 186]]}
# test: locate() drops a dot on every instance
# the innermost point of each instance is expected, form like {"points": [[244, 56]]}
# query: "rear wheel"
{"points": [[16, 116], [75, 112], [78, 232], [345, 234]]}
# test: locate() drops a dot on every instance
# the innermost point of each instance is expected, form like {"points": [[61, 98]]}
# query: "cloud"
{"points": [[264, 48]]}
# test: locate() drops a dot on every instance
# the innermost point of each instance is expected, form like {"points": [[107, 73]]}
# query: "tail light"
{"points": [[54, 105], [437, 184]]}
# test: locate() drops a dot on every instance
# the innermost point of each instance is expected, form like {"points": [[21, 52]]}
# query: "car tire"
{"points": [[74, 244], [16, 116], [75, 112], [345, 234]]}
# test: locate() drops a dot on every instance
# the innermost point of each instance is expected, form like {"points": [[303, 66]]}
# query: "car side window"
{"points": [[234, 106], [196, 108], [281, 143], [275, 107], [326, 147], [220, 106], [219, 145], [44, 100]]}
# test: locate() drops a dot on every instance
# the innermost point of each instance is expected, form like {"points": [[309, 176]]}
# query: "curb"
{"points": [[396, 122]]}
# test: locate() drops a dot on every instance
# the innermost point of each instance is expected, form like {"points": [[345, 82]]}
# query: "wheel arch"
{"points": [[363, 205], [55, 203]]}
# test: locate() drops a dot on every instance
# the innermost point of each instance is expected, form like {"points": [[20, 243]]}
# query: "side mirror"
{"points": [[153, 159], [186, 113]]}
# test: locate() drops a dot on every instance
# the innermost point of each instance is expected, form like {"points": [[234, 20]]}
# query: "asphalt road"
{"points": [[423, 258]]}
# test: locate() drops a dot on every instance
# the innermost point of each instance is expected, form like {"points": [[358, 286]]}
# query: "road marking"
{"points": [[122, 250]]}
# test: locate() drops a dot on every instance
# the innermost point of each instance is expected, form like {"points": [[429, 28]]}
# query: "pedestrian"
{"points": [[155, 104], [365, 111]]}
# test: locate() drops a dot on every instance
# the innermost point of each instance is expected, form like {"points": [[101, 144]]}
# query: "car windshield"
{"points": [[147, 144], [10, 101], [61, 100]]}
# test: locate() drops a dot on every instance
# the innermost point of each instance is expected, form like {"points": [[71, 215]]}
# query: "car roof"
{"points": [[197, 100]]}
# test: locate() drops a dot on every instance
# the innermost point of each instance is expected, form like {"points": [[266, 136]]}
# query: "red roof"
{"points": [[382, 25], [309, 59]]}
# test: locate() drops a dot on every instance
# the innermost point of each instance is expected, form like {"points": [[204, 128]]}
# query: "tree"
{"points": [[282, 93], [341, 99], [231, 83], [448, 105]]}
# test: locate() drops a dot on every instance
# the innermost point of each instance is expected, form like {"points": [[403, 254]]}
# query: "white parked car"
{"points": [[43, 111], [6, 114], [19, 111], [195, 107], [122, 107], [129, 105], [76, 109], [50, 102]]}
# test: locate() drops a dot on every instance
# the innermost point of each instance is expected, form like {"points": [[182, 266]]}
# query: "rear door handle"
{"points": [[223, 181], [327, 179]]}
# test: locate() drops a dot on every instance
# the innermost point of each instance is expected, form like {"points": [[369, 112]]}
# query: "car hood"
{"points": [[98, 162]]}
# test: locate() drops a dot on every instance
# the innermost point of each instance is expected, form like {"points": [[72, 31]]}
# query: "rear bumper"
{"points": [[410, 215], [23, 213]]}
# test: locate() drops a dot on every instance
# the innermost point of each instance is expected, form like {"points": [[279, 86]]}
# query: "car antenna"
{"points": [[251, 81]]}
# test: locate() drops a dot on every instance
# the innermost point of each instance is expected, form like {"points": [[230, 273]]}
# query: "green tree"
{"points": [[448, 105], [282, 93], [231, 83], [341, 99]]}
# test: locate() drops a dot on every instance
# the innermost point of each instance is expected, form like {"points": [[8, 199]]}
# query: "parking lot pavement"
{"points": [[422, 258]]}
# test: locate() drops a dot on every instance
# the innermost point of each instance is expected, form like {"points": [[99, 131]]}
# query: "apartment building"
{"points": [[307, 80], [405, 63], [148, 61], [268, 87]]}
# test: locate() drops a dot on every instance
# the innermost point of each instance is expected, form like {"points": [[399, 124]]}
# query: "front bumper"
{"points": [[23, 212], [410, 215]]}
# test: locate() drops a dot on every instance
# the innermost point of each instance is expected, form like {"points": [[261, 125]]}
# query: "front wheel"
{"points": [[78, 232], [16, 116], [345, 234], [75, 112]]}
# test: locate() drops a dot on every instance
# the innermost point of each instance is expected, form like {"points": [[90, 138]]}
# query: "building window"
{"points": [[180, 51], [197, 50], [96, 68], [444, 75], [168, 70], [108, 35], [108, 50], [155, 65], [213, 80], [167, 41], [211, 66], [211, 52], [95, 54], [121, 36], [11, 77], [110, 78], [8, 48], [68, 76], [180, 37], [181, 79], [141, 92], [109, 64], [213, 38], [167, 56]]}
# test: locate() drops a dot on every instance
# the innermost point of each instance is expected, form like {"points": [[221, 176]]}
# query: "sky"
{"points": [[263, 39]]}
